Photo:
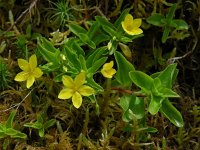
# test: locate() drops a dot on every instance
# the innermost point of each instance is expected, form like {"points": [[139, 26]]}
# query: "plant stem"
{"points": [[106, 98]]}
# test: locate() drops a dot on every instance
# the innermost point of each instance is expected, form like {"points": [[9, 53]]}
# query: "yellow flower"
{"points": [[30, 71], [131, 26], [75, 89], [107, 70]]}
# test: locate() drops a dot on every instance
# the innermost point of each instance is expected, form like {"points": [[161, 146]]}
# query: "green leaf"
{"points": [[14, 133], [107, 26], [49, 123], [49, 67], [41, 132], [165, 34], [28, 31], [121, 18], [123, 69], [11, 131], [48, 51], [40, 119], [171, 13], [85, 39], [133, 107], [94, 30], [168, 75], [155, 104], [125, 39], [126, 50], [93, 84], [168, 92], [97, 64], [151, 130], [101, 38], [110, 31], [76, 29], [95, 55], [72, 57], [82, 34], [142, 80], [96, 34], [157, 83], [125, 102], [35, 125], [10, 119], [75, 46], [19, 135], [83, 62], [175, 76], [156, 87], [172, 113], [137, 107], [180, 24], [104, 22], [156, 19]]}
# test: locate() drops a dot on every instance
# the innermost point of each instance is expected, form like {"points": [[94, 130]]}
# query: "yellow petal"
{"points": [[131, 26], [135, 31], [22, 76], [37, 73], [23, 64], [137, 23], [127, 24], [86, 90], [65, 93], [109, 65], [108, 73], [30, 81], [80, 79], [33, 61], [77, 100], [128, 19], [68, 81]]}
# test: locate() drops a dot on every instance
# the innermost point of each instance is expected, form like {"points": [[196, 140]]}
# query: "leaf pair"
{"points": [[40, 125], [7, 129], [50, 54], [167, 22], [133, 107], [158, 89]]}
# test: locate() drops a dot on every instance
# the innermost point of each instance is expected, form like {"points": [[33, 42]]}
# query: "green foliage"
{"points": [[7, 129], [167, 22], [82, 34], [41, 125], [133, 107], [99, 64], [48, 51], [158, 91], [124, 67], [62, 12]]}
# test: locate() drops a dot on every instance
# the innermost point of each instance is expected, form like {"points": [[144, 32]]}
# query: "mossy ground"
{"points": [[82, 128]]}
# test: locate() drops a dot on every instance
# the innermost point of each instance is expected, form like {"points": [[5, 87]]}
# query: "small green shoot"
{"points": [[167, 22], [158, 90], [7, 129], [40, 125]]}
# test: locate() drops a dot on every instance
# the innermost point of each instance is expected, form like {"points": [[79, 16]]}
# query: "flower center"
{"points": [[129, 27]]}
